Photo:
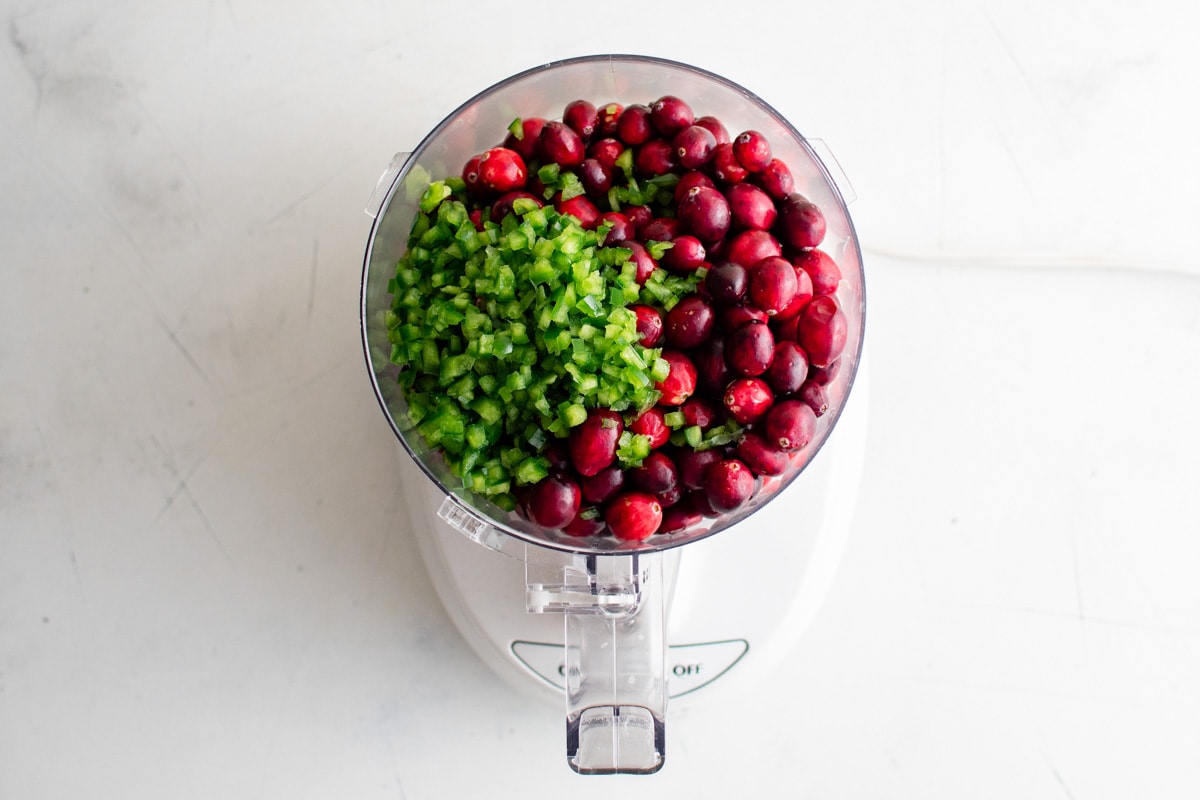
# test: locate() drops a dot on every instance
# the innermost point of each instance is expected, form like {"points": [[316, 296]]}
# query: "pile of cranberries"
{"points": [[758, 342]]}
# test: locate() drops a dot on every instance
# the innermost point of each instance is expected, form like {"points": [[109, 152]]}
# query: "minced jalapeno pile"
{"points": [[619, 322]]}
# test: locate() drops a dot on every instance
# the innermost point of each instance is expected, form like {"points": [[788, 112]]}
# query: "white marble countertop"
{"points": [[206, 585]]}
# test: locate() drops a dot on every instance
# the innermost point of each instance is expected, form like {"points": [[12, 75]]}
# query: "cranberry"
{"points": [[747, 399], [556, 453], [750, 247], [655, 157], [728, 484], [649, 324], [560, 144], [582, 209], [640, 216], [712, 373], [789, 368], [801, 224], [553, 501], [596, 178], [651, 424], [822, 330], [504, 204], [525, 144], [773, 284], [670, 497], [698, 411], [689, 322], [725, 165], [606, 151], [620, 227], [815, 396], [581, 116], [698, 502], [790, 425], [588, 522], [606, 119], [593, 443], [681, 382], [603, 485], [824, 375], [821, 269], [641, 258], [633, 126], [657, 473], [694, 146], [715, 127], [705, 212], [678, 518], [660, 229], [752, 150], [776, 179], [750, 348], [686, 254], [804, 294], [501, 170], [633, 516], [727, 283], [692, 464], [761, 457], [689, 179], [734, 317], [669, 115], [750, 207]]}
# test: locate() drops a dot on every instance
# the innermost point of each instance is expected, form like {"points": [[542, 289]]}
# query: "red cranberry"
{"points": [[596, 178], [553, 501], [681, 382], [641, 258], [633, 126], [669, 115], [678, 518], [556, 453], [750, 207], [727, 283], [686, 254], [504, 204], [655, 157], [750, 247], [581, 116], [582, 209], [705, 212], [603, 485], [815, 396], [689, 179], [762, 459], [689, 322], [790, 425], [620, 227], [715, 127], [752, 150], [657, 473], [804, 294], [821, 269], [734, 317], [650, 423], [634, 516], [593, 443], [750, 348], [712, 373], [559, 143], [747, 399], [789, 368], [649, 323], [640, 216], [725, 165], [728, 483], [824, 375], [698, 502], [692, 464], [822, 330], [694, 146], [606, 151], [776, 179], [606, 119], [525, 145], [501, 170], [588, 522], [698, 411], [660, 229], [801, 224], [773, 284], [670, 498]]}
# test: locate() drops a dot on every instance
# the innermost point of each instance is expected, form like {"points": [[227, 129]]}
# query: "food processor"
{"points": [[619, 629]]}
